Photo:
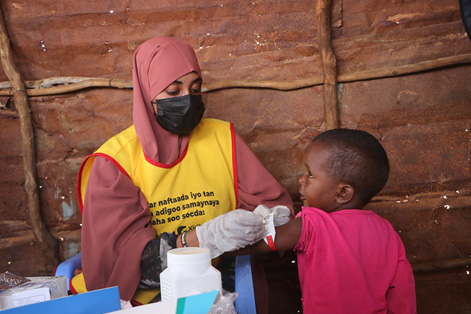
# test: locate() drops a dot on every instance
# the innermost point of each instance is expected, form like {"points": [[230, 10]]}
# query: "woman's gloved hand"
{"points": [[231, 231], [281, 214]]}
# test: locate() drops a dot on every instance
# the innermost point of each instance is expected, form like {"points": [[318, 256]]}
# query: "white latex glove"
{"points": [[231, 231], [281, 213]]}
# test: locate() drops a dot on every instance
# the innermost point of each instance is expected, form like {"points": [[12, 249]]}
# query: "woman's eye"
{"points": [[173, 92], [195, 88]]}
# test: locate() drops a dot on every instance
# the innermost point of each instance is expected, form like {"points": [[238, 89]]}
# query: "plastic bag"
{"points": [[9, 280], [225, 305]]}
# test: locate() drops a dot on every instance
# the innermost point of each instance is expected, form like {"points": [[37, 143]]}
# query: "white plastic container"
{"points": [[189, 272]]}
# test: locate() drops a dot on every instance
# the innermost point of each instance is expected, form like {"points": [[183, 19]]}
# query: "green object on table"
{"points": [[196, 304]]}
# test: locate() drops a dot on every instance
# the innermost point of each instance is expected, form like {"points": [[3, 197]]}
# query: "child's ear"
{"points": [[345, 194]]}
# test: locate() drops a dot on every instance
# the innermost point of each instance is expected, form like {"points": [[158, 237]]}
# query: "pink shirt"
{"points": [[352, 261]]}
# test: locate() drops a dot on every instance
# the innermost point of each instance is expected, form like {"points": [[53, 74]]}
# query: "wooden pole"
{"points": [[61, 85], [47, 243], [329, 62]]}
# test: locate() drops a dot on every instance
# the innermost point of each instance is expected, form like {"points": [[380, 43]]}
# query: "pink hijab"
{"points": [[157, 63]]}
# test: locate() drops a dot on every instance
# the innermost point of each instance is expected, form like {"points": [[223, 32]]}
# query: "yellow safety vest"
{"points": [[197, 187]]}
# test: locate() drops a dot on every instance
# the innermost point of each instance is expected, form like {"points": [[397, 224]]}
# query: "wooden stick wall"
{"points": [[47, 243], [20, 91], [62, 85], [329, 62]]}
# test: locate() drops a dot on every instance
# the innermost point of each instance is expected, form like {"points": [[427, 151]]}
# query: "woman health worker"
{"points": [[171, 179]]}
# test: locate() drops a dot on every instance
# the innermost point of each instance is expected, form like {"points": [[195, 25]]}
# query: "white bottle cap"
{"points": [[192, 261]]}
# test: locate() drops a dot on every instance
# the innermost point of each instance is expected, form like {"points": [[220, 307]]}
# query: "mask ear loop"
{"points": [[153, 109]]}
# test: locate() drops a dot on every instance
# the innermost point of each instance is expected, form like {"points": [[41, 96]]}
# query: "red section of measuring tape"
{"points": [[270, 243]]}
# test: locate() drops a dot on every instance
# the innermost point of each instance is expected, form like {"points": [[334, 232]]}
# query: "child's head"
{"points": [[344, 169]]}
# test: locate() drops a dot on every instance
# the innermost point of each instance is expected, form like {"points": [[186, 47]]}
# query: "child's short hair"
{"points": [[358, 159]]}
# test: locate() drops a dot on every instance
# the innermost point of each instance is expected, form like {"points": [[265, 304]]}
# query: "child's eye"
{"points": [[196, 91]]}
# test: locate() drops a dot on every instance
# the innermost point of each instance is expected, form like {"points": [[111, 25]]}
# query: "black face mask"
{"points": [[179, 115]]}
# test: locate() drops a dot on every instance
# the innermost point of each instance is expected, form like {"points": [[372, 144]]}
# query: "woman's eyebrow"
{"points": [[193, 82], [198, 79]]}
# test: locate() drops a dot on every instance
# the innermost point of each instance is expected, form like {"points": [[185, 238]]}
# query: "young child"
{"points": [[350, 260]]}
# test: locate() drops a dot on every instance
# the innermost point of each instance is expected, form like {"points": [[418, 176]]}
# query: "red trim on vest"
{"points": [[167, 166], [72, 288], [120, 168], [79, 185], [234, 165]]}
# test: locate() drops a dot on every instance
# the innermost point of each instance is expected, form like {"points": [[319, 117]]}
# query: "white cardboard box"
{"points": [[17, 297], [57, 285]]}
